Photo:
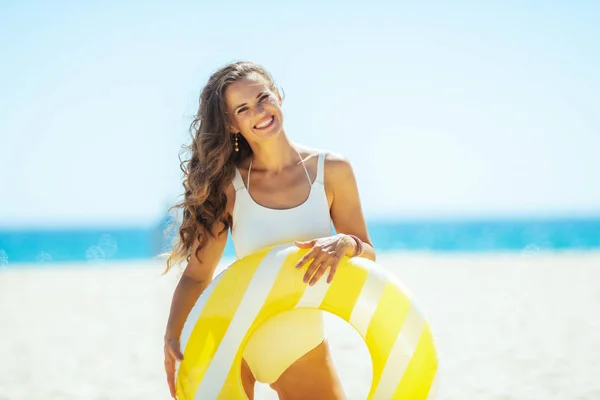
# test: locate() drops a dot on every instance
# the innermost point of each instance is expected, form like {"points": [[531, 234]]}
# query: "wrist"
{"points": [[170, 335], [356, 246]]}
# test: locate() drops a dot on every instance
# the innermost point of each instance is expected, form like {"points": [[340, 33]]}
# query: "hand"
{"points": [[172, 355], [327, 253]]}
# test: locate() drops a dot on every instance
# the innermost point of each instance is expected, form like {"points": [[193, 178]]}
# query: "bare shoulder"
{"points": [[337, 165], [340, 182], [334, 162], [308, 153]]}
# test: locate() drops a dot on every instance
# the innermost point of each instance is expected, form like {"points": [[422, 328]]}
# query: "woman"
{"points": [[245, 175]]}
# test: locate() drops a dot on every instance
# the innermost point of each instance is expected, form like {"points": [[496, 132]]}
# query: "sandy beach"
{"points": [[520, 326]]}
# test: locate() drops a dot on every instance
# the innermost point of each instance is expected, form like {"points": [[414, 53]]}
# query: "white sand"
{"points": [[521, 326]]}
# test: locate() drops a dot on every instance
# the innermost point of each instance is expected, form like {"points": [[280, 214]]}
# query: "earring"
{"points": [[235, 143]]}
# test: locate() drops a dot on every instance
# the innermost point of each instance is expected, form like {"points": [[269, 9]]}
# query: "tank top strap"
{"points": [[321, 168], [238, 182]]}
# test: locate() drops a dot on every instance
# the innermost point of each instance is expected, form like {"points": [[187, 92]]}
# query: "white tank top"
{"points": [[255, 227]]}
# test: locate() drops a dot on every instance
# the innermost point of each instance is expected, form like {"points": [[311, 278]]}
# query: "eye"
{"points": [[241, 110], [264, 97]]}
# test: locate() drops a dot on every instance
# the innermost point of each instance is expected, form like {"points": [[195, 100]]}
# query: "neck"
{"points": [[274, 155]]}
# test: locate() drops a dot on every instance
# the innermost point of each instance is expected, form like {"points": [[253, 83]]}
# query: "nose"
{"points": [[258, 110]]}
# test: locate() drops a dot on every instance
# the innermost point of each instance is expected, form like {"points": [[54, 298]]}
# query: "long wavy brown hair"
{"points": [[209, 166]]}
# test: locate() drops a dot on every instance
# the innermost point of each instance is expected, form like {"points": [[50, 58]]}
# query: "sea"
{"points": [[31, 247]]}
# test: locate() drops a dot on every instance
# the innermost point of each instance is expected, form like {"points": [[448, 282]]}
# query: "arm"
{"points": [[346, 209], [347, 216], [197, 275]]}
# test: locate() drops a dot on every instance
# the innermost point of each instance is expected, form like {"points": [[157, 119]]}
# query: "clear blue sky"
{"points": [[462, 109]]}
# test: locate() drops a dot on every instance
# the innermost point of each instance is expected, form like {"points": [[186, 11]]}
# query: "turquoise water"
{"points": [[95, 244]]}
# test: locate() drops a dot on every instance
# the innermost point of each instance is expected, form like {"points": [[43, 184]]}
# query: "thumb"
{"points": [[175, 351], [305, 245]]}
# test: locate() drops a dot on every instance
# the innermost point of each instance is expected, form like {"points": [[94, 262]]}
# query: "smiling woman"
{"points": [[246, 176]]}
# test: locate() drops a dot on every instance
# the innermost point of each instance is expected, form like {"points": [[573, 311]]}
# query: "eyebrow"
{"points": [[243, 104]]}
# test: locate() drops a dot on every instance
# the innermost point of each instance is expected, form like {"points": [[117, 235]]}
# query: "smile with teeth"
{"points": [[265, 124]]}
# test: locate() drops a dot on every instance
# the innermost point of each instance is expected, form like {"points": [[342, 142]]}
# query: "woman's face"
{"points": [[254, 109]]}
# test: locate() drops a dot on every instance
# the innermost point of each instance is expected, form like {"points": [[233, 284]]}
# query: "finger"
{"points": [[175, 351], [318, 273], [170, 370], [305, 244], [313, 267], [305, 258], [332, 271], [177, 354], [331, 262]]}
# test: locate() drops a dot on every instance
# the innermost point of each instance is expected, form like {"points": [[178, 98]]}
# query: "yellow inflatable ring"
{"points": [[264, 284]]}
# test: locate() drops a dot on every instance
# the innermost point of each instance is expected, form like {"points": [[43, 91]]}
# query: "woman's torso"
{"points": [[255, 226]]}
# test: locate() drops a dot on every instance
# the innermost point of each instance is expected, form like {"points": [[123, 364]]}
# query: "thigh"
{"points": [[313, 376], [248, 380]]}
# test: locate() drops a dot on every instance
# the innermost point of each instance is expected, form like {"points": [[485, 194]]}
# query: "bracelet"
{"points": [[359, 245]]}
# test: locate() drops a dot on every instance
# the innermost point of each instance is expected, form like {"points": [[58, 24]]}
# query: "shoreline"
{"points": [[381, 255]]}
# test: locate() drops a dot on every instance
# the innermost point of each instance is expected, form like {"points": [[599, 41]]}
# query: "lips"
{"points": [[265, 122]]}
